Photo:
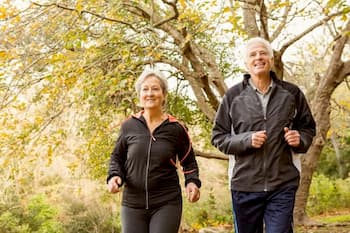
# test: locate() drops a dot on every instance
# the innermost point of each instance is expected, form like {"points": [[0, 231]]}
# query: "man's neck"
{"points": [[262, 82]]}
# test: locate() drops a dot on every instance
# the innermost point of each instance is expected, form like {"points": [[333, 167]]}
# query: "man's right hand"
{"points": [[259, 138], [114, 184]]}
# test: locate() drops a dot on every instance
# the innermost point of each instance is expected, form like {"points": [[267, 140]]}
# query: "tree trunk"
{"points": [[336, 73], [309, 163], [338, 155]]}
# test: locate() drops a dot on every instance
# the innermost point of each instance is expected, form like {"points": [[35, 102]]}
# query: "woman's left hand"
{"points": [[192, 192]]}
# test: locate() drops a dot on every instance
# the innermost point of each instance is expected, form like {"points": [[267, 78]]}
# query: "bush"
{"points": [[42, 217], [328, 164], [11, 224], [36, 217], [328, 194], [207, 213], [92, 216]]}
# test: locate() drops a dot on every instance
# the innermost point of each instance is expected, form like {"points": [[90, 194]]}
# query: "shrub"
{"points": [[207, 213], [10, 223], [41, 216], [328, 163], [36, 217], [90, 216], [328, 194]]}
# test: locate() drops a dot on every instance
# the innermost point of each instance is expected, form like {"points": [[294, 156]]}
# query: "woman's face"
{"points": [[151, 93]]}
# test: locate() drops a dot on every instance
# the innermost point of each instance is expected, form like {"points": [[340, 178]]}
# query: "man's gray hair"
{"points": [[258, 40]]}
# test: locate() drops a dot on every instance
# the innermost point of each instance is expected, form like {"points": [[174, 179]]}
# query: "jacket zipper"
{"points": [[265, 171], [147, 170], [264, 146], [152, 138], [264, 157]]}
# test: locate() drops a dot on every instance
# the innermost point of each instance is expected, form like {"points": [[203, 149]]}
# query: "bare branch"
{"points": [[175, 16], [85, 12], [6, 100], [15, 15], [149, 14], [336, 57], [308, 30], [210, 155], [264, 20], [339, 106], [283, 23]]}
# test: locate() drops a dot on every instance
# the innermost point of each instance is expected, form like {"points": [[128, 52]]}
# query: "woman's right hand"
{"points": [[114, 184]]}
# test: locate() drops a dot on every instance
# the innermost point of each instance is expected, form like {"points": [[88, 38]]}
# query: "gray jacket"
{"points": [[240, 114]]}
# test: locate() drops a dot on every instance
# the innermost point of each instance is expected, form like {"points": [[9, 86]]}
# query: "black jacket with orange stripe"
{"points": [[147, 162]]}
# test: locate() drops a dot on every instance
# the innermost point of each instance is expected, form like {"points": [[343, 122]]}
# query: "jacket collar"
{"points": [[139, 115], [248, 76]]}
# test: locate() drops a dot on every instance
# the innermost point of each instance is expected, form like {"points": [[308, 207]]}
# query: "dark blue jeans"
{"points": [[252, 210]]}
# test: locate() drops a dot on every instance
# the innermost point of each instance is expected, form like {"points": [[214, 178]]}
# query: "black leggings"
{"points": [[165, 219]]}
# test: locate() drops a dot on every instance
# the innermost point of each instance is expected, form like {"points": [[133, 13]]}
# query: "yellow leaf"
{"points": [[3, 54], [183, 3], [79, 6], [227, 9], [3, 13]]}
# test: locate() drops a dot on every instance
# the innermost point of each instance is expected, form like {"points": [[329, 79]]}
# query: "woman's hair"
{"points": [[154, 73], [258, 40]]}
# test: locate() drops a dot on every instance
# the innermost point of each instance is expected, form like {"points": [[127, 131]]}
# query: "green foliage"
{"points": [[186, 110], [9, 223], [337, 219], [41, 216], [203, 215], [36, 217], [87, 217], [328, 164], [328, 194]]}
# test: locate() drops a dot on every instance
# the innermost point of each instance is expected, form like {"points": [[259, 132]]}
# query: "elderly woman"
{"points": [[144, 162]]}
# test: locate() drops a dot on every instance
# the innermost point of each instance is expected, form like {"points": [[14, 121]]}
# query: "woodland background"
{"points": [[67, 70]]}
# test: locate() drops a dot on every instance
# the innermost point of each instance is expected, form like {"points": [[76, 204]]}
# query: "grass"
{"points": [[338, 217]]}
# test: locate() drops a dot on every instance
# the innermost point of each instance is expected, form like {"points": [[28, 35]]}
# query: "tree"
{"points": [[97, 48], [257, 18], [337, 72]]}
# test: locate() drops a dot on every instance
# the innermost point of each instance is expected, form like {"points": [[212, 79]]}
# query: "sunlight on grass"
{"points": [[335, 219]]}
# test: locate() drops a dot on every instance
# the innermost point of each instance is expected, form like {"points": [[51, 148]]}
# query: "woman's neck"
{"points": [[153, 115], [153, 119]]}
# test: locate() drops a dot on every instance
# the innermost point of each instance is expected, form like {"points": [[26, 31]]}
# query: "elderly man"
{"points": [[262, 121]]}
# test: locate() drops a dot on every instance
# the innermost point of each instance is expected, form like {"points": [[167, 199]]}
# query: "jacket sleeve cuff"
{"points": [[112, 175], [195, 181]]}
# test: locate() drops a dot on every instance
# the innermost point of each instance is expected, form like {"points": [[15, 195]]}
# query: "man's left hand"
{"points": [[292, 137]]}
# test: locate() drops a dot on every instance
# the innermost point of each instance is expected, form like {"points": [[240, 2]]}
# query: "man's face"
{"points": [[258, 60]]}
